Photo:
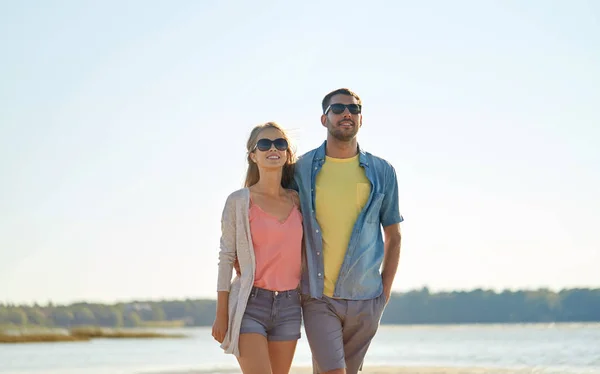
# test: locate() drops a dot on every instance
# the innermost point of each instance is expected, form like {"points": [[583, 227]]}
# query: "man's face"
{"points": [[343, 126]]}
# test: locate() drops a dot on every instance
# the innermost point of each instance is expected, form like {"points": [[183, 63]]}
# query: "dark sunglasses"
{"points": [[340, 108], [265, 144]]}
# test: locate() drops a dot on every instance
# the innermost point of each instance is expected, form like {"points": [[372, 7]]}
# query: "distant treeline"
{"points": [[415, 307]]}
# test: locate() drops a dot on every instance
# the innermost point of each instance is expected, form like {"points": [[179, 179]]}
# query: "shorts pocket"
{"points": [[291, 302], [382, 303]]}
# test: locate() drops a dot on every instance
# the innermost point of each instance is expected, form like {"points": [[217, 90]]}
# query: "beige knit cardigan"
{"points": [[236, 239]]}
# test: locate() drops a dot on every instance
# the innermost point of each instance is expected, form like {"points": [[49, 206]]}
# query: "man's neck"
{"points": [[339, 149]]}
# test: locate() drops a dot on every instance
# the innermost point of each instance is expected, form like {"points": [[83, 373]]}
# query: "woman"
{"points": [[259, 313]]}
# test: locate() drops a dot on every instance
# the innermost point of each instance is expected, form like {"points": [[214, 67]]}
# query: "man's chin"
{"points": [[343, 137]]}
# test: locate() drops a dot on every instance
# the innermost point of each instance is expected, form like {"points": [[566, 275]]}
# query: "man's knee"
{"points": [[361, 326], [336, 371]]}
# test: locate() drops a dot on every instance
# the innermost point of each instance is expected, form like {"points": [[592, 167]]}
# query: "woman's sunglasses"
{"points": [[339, 108], [265, 144]]}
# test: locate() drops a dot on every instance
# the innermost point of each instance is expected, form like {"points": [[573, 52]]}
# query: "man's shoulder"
{"points": [[379, 163], [306, 158]]}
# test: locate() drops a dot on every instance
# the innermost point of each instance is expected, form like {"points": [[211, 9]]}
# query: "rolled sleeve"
{"points": [[390, 209]]}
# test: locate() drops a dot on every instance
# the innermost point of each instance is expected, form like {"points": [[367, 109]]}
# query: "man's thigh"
{"points": [[360, 326], [323, 328], [339, 332]]}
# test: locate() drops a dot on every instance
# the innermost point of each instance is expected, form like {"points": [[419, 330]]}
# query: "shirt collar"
{"points": [[320, 154]]}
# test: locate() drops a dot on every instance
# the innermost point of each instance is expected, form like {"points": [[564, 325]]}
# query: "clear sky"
{"points": [[123, 128]]}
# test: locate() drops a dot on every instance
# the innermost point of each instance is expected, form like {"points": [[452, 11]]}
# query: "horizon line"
{"points": [[47, 303]]}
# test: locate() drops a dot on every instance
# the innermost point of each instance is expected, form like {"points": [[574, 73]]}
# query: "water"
{"points": [[558, 348]]}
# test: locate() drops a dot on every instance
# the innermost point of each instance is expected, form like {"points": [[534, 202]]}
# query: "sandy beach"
{"points": [[426, 370], [386, 370]]}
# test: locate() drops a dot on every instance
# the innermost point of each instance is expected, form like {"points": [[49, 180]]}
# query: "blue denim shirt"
{"points": [[359, 277]]}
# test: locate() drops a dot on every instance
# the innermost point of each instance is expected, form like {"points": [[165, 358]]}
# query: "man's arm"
{"points": [[391, 257], [390, 218]]}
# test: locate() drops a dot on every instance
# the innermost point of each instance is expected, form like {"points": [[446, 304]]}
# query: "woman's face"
{"points": [[270, 151]]}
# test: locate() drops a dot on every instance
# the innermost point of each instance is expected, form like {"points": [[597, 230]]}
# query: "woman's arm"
{"points": [[227, 252], [227, 255]]}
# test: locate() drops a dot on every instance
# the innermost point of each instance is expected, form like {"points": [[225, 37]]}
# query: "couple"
{"points": [[305, 239]]}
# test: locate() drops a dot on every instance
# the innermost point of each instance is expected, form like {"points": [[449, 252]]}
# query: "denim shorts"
{"points": [[277, 315]]}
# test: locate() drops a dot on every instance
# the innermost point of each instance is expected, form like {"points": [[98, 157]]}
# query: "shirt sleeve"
{"points": [[227, 250], [390, 210]]}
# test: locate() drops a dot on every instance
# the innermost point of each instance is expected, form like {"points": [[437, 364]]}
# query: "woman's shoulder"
{"points": [[232, 204], [294, 195], [237, 196], [240, 194]]}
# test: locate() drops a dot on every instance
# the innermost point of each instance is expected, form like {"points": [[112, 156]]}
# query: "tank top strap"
{"points": [[294, 205]]}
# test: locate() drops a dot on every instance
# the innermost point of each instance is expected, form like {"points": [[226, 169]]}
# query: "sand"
{"points": [[387, 370], [427, 370]]}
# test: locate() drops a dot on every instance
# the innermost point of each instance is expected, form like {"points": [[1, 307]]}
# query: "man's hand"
{"points": [[236, 266]]}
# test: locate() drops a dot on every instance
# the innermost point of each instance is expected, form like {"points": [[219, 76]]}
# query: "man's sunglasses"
{"points": [[265, 144], [340, 108]]}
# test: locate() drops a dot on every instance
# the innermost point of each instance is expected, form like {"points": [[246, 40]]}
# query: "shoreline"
{"points": [[81, 334]]}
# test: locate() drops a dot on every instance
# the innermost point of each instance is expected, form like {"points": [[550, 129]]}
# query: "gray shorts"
{"points": [[339, 331], [275, 315]]}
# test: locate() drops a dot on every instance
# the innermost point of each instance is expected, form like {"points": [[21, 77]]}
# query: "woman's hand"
{"points": [[219, 328]]}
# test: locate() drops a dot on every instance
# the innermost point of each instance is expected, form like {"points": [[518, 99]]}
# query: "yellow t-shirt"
{"points": [[342, 191]]}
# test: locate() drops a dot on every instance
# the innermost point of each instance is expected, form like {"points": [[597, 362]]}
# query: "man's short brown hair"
{"points": [[340, 91]]}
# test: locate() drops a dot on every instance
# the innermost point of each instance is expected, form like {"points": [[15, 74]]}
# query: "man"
{"points": [[346, 195]]}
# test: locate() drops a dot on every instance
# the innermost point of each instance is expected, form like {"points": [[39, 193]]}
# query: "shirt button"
{"points": [[318, 253], [319, 275], [317, 231]]}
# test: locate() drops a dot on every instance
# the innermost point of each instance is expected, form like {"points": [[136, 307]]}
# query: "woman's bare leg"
{"points": [[282, 355], [254, 354]]}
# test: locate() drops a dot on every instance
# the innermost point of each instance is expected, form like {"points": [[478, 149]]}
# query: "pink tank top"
{"points": [[277, 248]]}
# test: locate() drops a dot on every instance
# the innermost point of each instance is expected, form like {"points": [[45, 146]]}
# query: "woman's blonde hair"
{"points": [[252, 174]]}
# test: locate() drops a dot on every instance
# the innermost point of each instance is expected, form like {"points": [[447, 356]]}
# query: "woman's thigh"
{"points": [[254, 354], [281, 354]]}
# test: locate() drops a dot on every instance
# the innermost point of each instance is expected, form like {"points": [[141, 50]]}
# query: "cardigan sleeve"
{"points": [[227, 250]]}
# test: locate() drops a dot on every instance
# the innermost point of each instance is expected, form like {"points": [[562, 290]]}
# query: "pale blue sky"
{"points": [[123, 126]]}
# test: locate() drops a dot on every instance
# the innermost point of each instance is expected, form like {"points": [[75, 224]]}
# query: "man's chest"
{"points": [[341, 188]]}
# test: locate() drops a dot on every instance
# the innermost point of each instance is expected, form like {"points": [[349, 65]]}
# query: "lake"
{"points": [[559, 348]]}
